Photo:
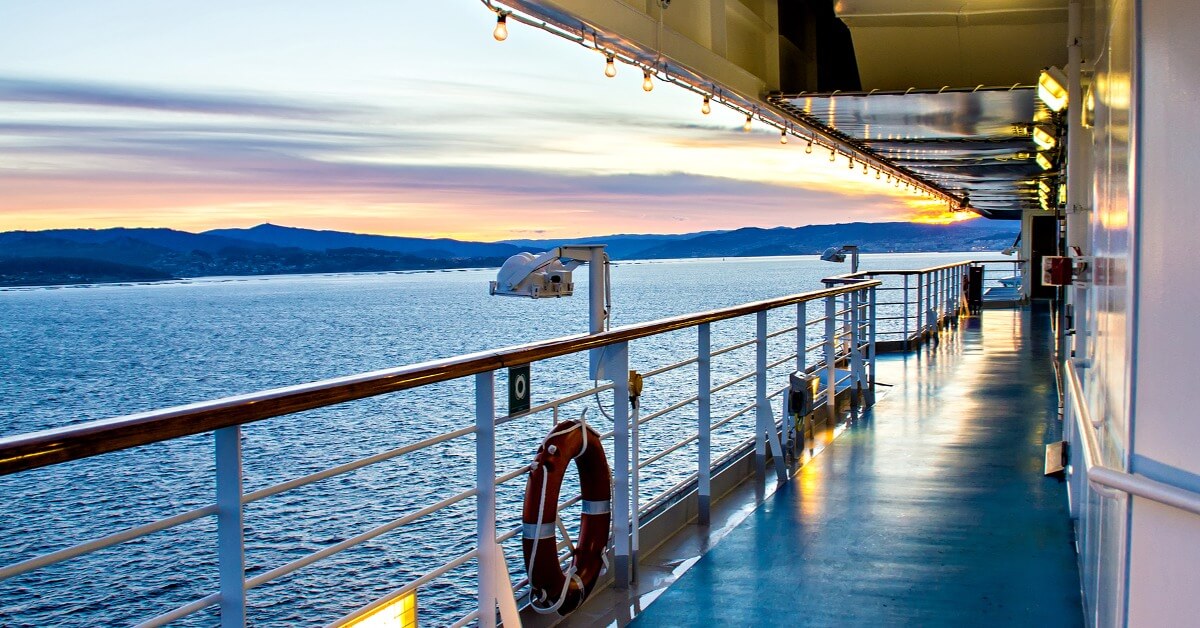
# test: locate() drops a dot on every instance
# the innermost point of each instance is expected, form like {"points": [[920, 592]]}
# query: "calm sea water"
{"points": [[75, 354]]}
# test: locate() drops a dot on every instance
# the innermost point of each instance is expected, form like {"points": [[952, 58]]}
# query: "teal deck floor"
{"points": [[930, 510]]}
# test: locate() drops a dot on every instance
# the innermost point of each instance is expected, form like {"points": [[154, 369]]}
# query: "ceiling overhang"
{"points": [[937, 43], [973, 142]]}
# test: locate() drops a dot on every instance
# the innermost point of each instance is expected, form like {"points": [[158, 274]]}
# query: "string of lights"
{"points": [[655, 68]]}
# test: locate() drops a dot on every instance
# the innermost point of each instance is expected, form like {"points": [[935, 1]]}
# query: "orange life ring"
{"points": [[552, 590]]}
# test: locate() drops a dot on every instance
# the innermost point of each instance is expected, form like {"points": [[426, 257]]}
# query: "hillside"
{"points": [[87, 255], [887, 237], [314, 240]]}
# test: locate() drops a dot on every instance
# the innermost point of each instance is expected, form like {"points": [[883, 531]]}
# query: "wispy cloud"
{"points": [[18, 90]]}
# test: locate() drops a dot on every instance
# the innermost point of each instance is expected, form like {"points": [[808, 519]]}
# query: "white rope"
{"points": [[570, 576]]}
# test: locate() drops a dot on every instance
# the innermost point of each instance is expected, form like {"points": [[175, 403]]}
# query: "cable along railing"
{"points": [[830, 332]]}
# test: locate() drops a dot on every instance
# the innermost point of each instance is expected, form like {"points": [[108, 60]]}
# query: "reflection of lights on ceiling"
{"points": [[1052, 88], [1043, 137], [1089, 108]]}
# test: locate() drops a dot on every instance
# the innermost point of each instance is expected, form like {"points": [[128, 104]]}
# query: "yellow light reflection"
{"points": [[398, 613], [935, 212]]}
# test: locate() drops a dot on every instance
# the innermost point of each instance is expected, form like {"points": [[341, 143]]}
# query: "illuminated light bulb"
{"points": [[1045, 163], [783, 137], [851, 161], [864, 167], [706, 108], [832, 154], [1043, 138], [647, 82], [877, 173], [808, 149], [749, 119], [1052, 88], [610, 67], [501, 32]]}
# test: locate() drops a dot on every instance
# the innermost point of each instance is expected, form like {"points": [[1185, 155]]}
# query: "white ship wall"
{"points": [[1139, 557]]}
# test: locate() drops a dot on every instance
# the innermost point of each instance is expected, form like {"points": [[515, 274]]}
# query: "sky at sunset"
{"points": [[395, 117]]}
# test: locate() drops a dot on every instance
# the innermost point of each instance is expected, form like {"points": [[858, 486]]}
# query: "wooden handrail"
{"points": [[54, 446]]}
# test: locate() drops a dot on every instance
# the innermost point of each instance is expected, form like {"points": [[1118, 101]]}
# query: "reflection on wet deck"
{"points": [[931, 509]]}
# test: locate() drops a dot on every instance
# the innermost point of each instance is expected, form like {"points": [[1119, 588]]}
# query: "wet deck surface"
{"points": [[931, 510]]}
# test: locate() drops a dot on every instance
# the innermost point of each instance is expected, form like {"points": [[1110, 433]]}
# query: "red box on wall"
{"points": [[1057, 271]]}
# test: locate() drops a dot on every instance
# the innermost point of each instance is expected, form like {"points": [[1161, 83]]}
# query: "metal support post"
{"points": [[495, 587], [931, 307], [907, 311], [831, 358], [485, 494], [871, 331], [618, 362], [919, 314], [231, 554], [765, 431], [856, 343], [704, 420], [634, 488]]}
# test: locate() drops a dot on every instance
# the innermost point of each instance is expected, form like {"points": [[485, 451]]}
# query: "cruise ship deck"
{"points": [[932, 508]]}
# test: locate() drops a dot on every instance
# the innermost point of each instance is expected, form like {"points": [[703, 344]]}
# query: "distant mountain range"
{"points": [[67, 256]]}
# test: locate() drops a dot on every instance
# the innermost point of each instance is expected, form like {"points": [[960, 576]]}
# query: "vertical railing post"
{"points": [[766, 433], [930, 306], [801, 336], [856, 338], [871, 331], [617, 367], [485, 498], [704, 421], [231, 554], [907, 302], [831, 358], [795, 436], [919, 314], [635, 495]]}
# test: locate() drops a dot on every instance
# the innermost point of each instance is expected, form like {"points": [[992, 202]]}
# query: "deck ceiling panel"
{"points": [[932, 43], [975, 141]]}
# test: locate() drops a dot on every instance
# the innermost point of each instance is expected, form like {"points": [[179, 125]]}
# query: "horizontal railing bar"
{"points": [[736, 380], [670, 367], [105, 541], [507, 477], [668, 451], [1099, 473], [466, 621], [552, 404], [740, 345], [786, 358], [785, 330], [181, 612], [664, 495], [299, 563], [671, 408], [38, 449], [737, 413], [351, 466], [447, 567]]}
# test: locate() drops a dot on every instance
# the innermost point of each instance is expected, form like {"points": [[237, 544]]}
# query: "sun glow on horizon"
{"points": [[273, 128]]}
